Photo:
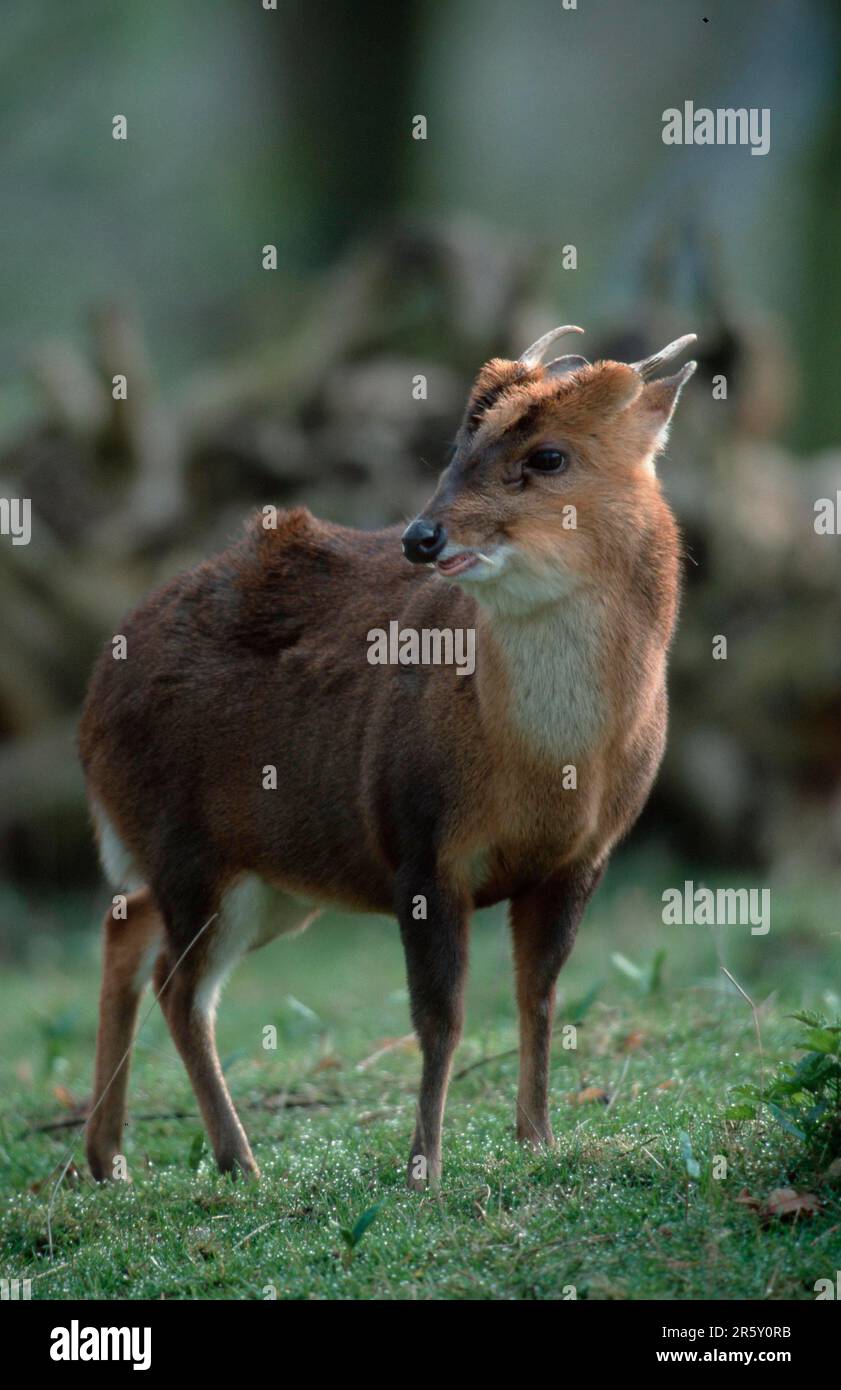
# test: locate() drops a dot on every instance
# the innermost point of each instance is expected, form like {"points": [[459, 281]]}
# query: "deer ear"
{"points": [[562, 366], [657, 404], [605, 390]]}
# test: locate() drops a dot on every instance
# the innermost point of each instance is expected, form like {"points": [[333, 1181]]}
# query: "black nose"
{"points": [[423, 540]]}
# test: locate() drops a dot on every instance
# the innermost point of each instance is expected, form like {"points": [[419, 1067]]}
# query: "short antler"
{"points": [[533, 356], [649, 365]]}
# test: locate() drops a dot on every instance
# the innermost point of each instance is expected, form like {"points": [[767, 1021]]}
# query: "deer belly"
{"points": [[254, 912]]}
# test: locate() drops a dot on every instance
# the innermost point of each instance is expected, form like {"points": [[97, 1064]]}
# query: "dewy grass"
{"points": [[615, 1212]]}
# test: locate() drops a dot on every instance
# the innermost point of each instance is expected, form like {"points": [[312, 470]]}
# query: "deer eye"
{"points": [[547, 461]]}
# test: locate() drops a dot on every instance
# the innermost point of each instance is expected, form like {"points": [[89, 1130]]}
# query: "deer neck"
{"points": [[541, 676]]}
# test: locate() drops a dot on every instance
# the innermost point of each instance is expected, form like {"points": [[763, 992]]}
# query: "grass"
{"points": [[612, 1213]]}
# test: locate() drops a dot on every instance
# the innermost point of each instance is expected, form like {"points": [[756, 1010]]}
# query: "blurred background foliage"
{"points": [[396, 257]]}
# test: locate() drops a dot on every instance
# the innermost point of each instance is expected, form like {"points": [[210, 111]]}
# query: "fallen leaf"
{"points": [[633, 1041], [784, 1202], [329, 1063], [65, 1098], [591, 1093], [666, 1085]]}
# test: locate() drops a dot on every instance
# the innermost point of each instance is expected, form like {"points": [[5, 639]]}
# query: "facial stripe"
{"points": [[501, 380]]}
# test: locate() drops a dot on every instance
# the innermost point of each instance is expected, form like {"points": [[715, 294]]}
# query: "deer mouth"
{"points": [[457, 564]]}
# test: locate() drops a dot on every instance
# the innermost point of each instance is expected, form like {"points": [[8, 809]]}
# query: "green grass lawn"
{"points": [[610, 1214]]}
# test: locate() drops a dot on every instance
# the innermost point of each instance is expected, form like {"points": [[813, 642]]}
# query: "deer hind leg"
{"points": [[189, 1005], [189, 993], [130, 948], [249, 916]]}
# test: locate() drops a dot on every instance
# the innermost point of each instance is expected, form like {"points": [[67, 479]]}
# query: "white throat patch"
{"points": [[554, 675]]}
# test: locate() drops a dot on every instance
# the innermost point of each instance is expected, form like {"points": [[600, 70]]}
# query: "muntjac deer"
{"points": [[405, 789]]}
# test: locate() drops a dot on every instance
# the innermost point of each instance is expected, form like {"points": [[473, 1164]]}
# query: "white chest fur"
{"points": [[554, 683]]}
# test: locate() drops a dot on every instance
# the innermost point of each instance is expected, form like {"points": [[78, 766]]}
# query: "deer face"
{"points": [[552, 482]]}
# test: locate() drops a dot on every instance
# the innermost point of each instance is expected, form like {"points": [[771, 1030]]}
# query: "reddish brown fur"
{"points": [[399, 781]]}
